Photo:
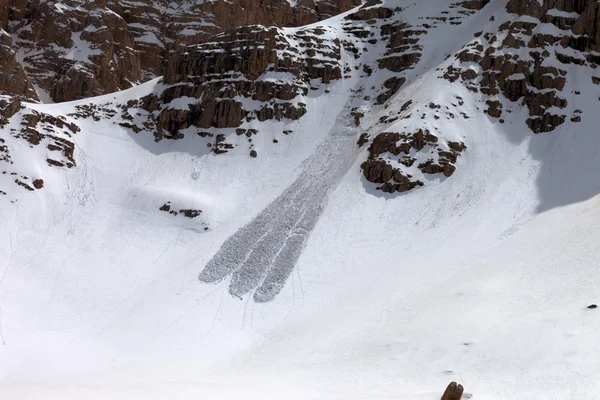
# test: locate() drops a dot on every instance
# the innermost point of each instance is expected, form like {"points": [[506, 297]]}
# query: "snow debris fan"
{"points": [[261, 255]]}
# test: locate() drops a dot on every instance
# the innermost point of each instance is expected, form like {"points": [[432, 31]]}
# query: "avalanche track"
{"points": [[263, 253]]}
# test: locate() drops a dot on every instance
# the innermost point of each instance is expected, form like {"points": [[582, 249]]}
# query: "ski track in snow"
{"points": [[261, 255]]}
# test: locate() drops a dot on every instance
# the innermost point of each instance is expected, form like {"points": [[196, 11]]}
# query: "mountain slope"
{"points": [[313, 283]]}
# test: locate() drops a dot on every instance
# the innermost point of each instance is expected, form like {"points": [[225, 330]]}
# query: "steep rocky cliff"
{"points": [[161, 27], [76, 49], [252, 73]]}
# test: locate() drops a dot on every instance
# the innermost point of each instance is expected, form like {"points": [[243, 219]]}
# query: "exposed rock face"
{"points": [[8, 107], [403, 53], [36, 129], [13, 80], [4, 13], [253, 62], [161, 27], [553, 33], [76, 49], [257, 73], [379, 167]]}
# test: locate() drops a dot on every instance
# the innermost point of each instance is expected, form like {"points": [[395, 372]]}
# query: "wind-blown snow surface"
{"points": [[392, 297]]}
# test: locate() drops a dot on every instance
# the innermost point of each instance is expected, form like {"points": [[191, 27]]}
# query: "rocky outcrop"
{"points": [[40, 128], [210, 80], [38, 183], [553, 33], [189, 213], [403, 53], [378, 171], [76, 49], [13, 80], [163, 27], [50, 134], [403, 38], [392, 173], [9, 106]]}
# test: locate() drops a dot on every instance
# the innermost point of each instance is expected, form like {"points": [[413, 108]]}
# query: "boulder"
{"points": [[454, 391]]}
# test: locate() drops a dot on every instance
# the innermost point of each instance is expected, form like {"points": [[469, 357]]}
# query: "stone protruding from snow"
{"points": [[454, 391], [379, 169]]}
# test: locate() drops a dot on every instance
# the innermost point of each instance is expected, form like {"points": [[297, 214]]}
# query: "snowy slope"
{"points": [[483, 277]]}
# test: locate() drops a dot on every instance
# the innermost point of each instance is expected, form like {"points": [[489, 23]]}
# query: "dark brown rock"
{"points": [[454, 391], [23, 184], [53, 132], [373, 170], [378, 170], [399, 63], [392, 85], [38, 183], [357, 116], [385, 142], [494, 108], [13, 80], [4, 14], [431, 168], [363, 139], [448, 170], [368, 13], [8, 108], [546, 123], [524, 79], [474, 4], [191, 213], [456, 146], [55, 163]]}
